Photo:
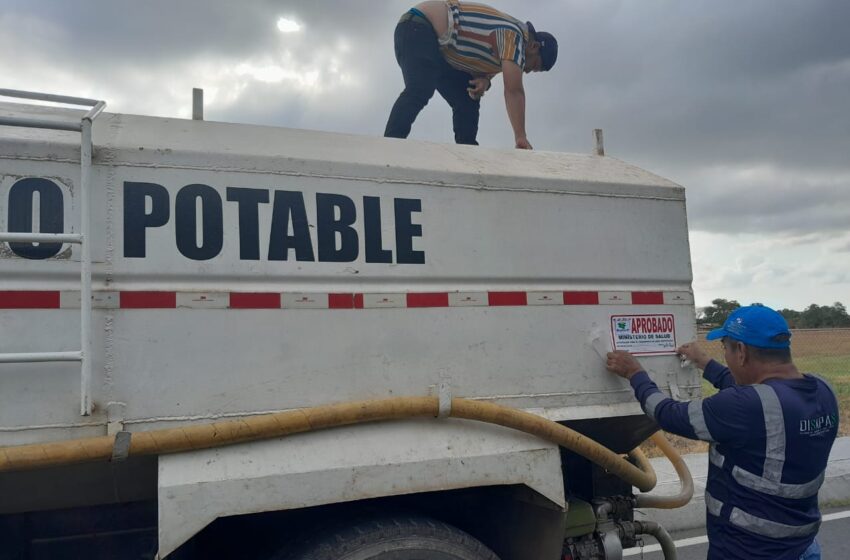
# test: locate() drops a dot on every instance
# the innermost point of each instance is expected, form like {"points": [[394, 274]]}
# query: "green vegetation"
{"points": [[813, 317], [716, 314], [835, 369], [818, 317]]}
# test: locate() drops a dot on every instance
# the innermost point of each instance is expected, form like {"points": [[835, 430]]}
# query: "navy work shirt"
{"points": [[770, 443]]}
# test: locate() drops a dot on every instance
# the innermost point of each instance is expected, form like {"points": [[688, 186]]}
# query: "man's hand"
{"points": [[477, 87], [623, 364], [523, 144], [691, 351]]}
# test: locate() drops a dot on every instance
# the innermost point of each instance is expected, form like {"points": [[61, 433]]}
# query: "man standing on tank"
{"points": [[771, 429], [456, 48]]}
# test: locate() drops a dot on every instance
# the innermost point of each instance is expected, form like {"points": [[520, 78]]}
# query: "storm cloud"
{"points": [[746, 104]]}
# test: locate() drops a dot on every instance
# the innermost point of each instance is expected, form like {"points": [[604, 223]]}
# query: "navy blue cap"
{"points": [[548, 46], [755, 325]]}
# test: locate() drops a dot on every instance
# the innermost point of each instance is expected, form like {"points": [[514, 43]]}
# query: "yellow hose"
{"points": [[641, 476], [687, 489], [216, 434]]}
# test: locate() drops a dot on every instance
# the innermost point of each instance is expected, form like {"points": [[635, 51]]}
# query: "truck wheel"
{"points": [[394, 538]]}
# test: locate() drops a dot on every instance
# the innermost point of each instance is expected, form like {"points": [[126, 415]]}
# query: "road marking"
{"points": [[682, 543], [836, 515]]}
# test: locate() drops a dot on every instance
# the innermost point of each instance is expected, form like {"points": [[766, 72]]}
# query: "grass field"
{"points": [[823, 352]]}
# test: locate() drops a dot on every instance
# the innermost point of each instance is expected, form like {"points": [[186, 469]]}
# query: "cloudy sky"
{"points": [[744, 102]]}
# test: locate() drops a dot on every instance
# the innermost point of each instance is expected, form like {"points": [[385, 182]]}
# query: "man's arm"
{"points": [[515, 102], [720, 418], [671, 415], [717, 374]]}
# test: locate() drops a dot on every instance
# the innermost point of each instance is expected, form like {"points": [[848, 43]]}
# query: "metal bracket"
{"points": [[599, 148], [115, 417], [121, 446]]}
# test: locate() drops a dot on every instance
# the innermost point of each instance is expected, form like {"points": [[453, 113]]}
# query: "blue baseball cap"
{"points": [[755, 325]]}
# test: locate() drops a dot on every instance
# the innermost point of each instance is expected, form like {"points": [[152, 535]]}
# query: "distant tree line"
{"points": [[813, 317]]}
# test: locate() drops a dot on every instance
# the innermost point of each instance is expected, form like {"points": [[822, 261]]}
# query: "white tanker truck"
{"points": [[231, 341]]}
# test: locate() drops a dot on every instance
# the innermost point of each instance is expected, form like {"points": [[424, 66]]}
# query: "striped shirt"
{"points": [[479, 38]]}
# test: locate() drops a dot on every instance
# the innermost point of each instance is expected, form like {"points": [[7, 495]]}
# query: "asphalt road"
{"points": [[692, 545]]}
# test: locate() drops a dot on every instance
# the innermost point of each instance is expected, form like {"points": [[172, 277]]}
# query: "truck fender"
{"points": [[348, 464]]}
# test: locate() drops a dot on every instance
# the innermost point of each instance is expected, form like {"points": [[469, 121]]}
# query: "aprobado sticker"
{"points": [[644, 334]]}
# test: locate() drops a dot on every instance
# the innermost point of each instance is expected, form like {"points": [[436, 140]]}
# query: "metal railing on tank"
{"points": [[84, 127]]}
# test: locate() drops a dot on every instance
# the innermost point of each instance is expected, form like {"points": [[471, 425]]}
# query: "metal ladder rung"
{"points": [[41, 237], [32, 357], [74, 126], [52, 97], [41, 123]]}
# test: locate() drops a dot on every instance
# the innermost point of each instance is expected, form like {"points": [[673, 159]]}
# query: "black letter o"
{"points": [[51, 215], [186, 222]]}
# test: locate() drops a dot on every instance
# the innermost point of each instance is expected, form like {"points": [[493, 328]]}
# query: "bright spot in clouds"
{"points": [[285, 25]]}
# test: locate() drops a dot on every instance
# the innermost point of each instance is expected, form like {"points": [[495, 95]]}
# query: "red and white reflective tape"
{"points": [[293, 300]]}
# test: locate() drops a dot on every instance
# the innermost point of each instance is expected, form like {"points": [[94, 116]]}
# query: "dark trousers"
{"points": [[425, 70]]}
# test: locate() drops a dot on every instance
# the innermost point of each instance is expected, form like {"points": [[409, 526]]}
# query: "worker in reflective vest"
{"points": [[770, 427]]}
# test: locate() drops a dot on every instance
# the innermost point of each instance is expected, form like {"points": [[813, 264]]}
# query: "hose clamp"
{"points": [[121, 446]]}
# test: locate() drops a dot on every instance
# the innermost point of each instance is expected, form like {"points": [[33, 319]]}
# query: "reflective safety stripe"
{"points": [[770, 529], [713, 504], [774, 461], [715, 457], [653, 401], [774, 425], [697, 419], [760, 484], [769, 483]]}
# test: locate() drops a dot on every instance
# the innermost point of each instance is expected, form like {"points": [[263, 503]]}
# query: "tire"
{"points": [[391, 538]]}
